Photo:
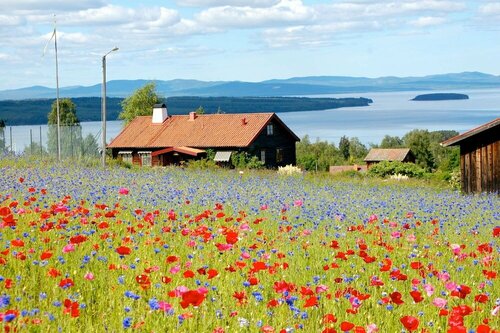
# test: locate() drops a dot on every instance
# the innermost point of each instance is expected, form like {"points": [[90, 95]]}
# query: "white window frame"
{"points": [[126, 156], [146, 158], [270, 129], [280, 152], [263, 156]]}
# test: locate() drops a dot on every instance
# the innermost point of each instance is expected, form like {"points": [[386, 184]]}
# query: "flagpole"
{"points": [[57, 97]]}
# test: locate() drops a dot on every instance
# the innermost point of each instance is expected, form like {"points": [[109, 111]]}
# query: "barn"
{"points": [[479, 157], [376, 155], [162, 139]]}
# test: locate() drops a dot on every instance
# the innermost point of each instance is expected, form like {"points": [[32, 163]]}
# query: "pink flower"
{"points": [[244, 226], [444, 276], [395, 234], [372, 328], [373, 218], [264, 207], [451, 286], [429, 289], [245, 255], [411, 238], [88, 276], [321, 289], [439, 302], [69, 248], [165, 306], [298, 203], [455, 248], [123, 190], [175, 269]]}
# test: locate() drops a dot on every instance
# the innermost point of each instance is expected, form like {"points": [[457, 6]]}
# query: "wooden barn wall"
{"points": [[480, 163]]}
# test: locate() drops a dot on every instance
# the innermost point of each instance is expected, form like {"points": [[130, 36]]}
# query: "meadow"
{"points": [[172, 250]]}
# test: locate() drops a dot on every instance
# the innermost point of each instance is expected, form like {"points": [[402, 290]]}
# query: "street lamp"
{"points": [[103, 106]]}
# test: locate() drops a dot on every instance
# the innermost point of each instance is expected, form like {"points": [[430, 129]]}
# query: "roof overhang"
{"points": [[457, 139], [182, 150]]}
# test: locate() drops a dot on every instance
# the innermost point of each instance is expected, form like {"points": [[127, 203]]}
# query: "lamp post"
{"points": [[103, 106]]}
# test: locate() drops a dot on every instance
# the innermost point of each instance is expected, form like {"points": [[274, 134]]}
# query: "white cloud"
{"points": [[490, 9], [283, 13], [49, 5], [232, 3], [427, 21], [137, 18]]}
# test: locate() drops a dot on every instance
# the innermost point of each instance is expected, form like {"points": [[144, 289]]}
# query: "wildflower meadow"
{"points": [[173, 250]]}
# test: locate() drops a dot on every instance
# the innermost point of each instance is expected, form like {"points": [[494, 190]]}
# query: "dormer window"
{"points": [[270, 129]]}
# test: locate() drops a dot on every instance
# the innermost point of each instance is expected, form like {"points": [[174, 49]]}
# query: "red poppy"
{"points": [[396, 298], [45, 255], [346, 326], [416, 295], [123, 250], [461, 291], [4, 211], [212, 273], [483, 329], [311, 301], [192, 297], [329, 318], [410, 323], [481, 298], [188, 274], [66, 283], [77, 239], [329, 330], [17, 243], [416, 265]]}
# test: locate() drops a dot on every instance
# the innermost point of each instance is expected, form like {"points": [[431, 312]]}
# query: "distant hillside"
{"points": [[298, 86], [440, 97], [34, 111]]}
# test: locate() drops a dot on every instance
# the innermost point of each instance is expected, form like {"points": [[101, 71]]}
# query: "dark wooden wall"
{"points": [[480, 162]]}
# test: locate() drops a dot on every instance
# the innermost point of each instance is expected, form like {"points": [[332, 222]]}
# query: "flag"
{"points": [[45, 48]]}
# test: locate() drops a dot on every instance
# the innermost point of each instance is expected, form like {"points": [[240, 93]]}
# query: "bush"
{"points": [[242, 160], [289, 170], [386, 168]]}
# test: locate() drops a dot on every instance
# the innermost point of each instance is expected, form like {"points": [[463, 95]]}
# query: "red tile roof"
{"points": [[456, 139], [393, 154], [210, 130]]}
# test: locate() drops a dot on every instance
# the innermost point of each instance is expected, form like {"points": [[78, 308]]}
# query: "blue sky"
{"points": [[250, 40]]}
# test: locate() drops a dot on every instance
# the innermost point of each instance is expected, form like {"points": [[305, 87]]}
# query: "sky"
{"points": [[244, 40]]}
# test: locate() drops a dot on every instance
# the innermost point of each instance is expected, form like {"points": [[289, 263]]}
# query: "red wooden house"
{"points": [[163, 140], [479, 157]]}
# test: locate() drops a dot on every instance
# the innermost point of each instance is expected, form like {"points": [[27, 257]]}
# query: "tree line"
{"points": [[425, 145]]}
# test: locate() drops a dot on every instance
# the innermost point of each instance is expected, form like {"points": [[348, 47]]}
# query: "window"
{"points": [[263, 155], [126, 156], [279, 155], [270, 129], [145, 158]]}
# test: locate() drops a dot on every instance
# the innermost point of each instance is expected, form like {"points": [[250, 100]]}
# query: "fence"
{"points": [[43, 141]]}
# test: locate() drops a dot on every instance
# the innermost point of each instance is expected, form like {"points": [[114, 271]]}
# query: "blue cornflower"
{"points": [[127, 322]]}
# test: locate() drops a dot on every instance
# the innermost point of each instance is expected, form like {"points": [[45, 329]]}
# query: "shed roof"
{"points": [[207, 130], [457, 139], [392, 154]]}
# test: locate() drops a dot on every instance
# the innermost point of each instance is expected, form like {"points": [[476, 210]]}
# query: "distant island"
{"points": [[34, 111], [440, 97]]}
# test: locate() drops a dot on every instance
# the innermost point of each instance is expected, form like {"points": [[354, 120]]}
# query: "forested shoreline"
{"points": [[34, 111]]}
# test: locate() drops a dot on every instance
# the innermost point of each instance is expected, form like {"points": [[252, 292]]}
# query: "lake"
{"points": [[391, 113]]}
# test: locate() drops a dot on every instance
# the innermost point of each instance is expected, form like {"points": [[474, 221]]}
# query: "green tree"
{"points": [[140, 103], [357, 150], [2, 135], [317, 156], [344, 147], [391, 142], [70, 129], [420, 144], [200, 110]]}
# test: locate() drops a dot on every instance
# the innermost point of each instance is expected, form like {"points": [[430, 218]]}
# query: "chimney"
{"points": [[243, 121], [159, 113], [192, 116]]}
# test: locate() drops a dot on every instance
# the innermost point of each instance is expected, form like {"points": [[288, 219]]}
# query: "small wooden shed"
{"points": [[376, 155], [479, 157]]}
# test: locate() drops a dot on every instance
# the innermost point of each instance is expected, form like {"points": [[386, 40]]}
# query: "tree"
{"points": [[344, 147], [357, 150], [419, 143], [200, 110], [391, 142], [70, 129], [140, 103]]}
